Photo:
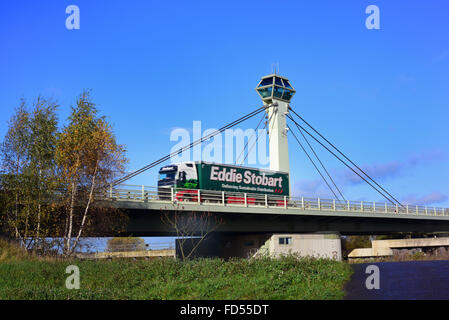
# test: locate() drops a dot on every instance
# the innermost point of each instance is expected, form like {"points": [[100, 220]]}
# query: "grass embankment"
{"points": [[10, 253], [285, 278]]}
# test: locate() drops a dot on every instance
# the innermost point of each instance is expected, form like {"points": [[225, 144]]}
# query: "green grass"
{"points": [[284, 278], [10, 252]]}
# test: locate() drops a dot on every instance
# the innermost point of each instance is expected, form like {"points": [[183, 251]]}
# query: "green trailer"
{"points": [[213, 179]]}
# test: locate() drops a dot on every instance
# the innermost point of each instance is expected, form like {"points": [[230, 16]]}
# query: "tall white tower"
{"points": [[276, 92]]}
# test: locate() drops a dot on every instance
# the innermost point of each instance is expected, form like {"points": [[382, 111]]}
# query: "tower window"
{"points": [[286, 84], [278, 81], [266, 82]]}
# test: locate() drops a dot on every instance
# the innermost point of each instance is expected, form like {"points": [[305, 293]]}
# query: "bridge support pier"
{"points": [[253, 245]]}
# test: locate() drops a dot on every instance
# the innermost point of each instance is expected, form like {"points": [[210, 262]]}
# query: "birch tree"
{"points": [[42, 169], [28, 170], [15, 158], [88, 158]]}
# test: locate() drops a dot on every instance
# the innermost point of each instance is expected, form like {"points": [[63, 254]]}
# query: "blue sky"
{"points": [[382, 96]]}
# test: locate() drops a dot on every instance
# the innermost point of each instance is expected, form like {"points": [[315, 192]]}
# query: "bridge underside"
{"points": [[145, 219]]}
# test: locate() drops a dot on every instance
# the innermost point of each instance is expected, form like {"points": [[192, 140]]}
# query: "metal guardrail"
{"points": [[224, 198]]}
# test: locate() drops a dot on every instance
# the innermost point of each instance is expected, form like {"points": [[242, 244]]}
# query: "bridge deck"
{"points": [[143, 197]]}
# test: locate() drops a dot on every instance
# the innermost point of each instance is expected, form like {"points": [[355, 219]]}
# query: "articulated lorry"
{"points": [[222, 183]]}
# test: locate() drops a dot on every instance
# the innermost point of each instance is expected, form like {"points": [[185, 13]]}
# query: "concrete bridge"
{"points": [[255, 213], [280, 218]]}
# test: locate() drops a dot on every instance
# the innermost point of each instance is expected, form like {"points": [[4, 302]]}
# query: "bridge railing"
{"points": [[226, 198]]}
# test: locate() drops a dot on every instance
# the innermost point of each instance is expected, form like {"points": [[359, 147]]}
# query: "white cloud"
{"points": [[428, 199], [311, 188]]}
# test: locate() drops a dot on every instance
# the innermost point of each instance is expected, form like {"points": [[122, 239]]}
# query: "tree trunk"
{"points": [[17, 199], [38, 220], [39, 207], [67, 248], [92, 187], [16, 215], [25, 236]]}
